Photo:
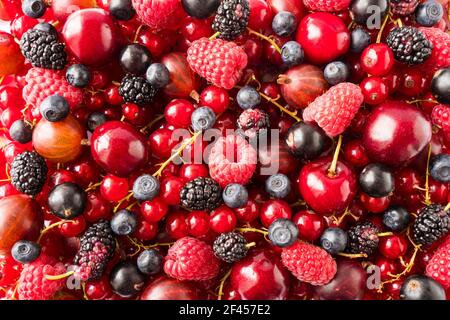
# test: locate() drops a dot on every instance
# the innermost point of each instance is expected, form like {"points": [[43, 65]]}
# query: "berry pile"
{"points": [[224, 149]]}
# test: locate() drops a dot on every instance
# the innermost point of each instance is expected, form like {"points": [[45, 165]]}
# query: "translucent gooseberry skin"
{"points": [[10, 55], [63, 8], [183, 81], [59, 142], [20, 219]]}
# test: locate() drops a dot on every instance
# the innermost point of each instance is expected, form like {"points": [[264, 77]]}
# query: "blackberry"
{"points": [[97, 246], [253, 122], [431, 224], [201, 194], [363, 238], [404, 7], [230, 247], [409, 45], [28, 173], [43, 49], [137, 90], [231, 18]]}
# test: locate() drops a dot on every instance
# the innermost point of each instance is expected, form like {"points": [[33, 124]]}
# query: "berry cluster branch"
{"points": [[383, 26], [222, 284], [271, 41]]}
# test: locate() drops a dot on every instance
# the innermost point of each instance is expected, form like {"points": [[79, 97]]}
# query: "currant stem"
{"points": [[247, 229], [384, 234], [51, 227], [273, 43], [353, 255], [222, 283], [332, 170], [59, 276], [427, 178], [93, 186], [279, 106], [249, 245], [383, 26], [127, 198]]}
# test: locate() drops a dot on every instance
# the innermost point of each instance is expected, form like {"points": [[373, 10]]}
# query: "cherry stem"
{"points": [[51, 227], [248, 229], [214, 36], [136, 34], [1, 79], [222, 283], [427, 178], [177, 153], [85, 142], [384, 234], [447, 207], [249, 245], [195, 96], [272, 42], [332, 169], [59, 276], [83, 286], [422, 100], [380, 33], [352, 255]]}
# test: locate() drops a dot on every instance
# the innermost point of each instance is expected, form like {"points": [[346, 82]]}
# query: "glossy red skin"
{"points": [[183, 80], [222, 220], [272, 210], [165, 288], [374, 90], [323, 36], [355, 154], [393, 247], [10, 55], [260, 276], [327, 194], [119, 148], [395, 132], [260, 15], [295, 7], [248, 213], [377, 59], [374, 205], [310, 225], [91, 36]]}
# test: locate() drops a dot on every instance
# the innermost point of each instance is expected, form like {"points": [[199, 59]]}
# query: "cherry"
{"points": [[249, 212], [96, 207], [377, 59], [170, 190], [438, 192], [22, 24], [85, 171], [176, 225], [9, 115], [355, 154], [260, 15], [97, 289], [393, 247], [155, 43], [310, 225], [73, 228], [114, 188], [374, 89], [10, 55], [10, 9], [387, 268], [178, 113], [216, 98], [164, 288], [198, 223], [112, 95], [146, 231], [270, 52], [374, 205], [274, 209], [154, 210], [161, 143], [222, 220], [191, 171], [193, 29]]}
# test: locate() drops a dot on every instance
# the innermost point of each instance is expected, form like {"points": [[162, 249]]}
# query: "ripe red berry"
{"points": [[154, 210], [377, 59], [222, 220]]}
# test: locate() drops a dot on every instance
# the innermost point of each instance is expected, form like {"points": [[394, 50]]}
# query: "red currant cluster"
{"points": [[129, 167]]}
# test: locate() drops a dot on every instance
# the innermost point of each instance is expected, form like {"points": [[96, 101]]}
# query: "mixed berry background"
{"points": [[325, 175]]}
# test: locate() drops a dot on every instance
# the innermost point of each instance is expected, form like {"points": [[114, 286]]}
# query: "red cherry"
{"points": [[112, 95], [22, 24], [9, 115], [310, 225], [97, 289], [375, 205], [387, 268], [272, 210], [260, 15], [438, 191], [191, 171], [377, 59], [393, 247], [355, 154], [85, 171], [97, 207], [61, 176], [222, 220], [248, 213], [145, 230], [270, 52], [11, 57], [154, 210], [170, 190], [193, 29], [155, 43], [374, 89], [73, 227], [198, 223], [178, 113], [114, 188], [216, 98], [323, 36], [161, 143], [176, 225], [295, 7]]}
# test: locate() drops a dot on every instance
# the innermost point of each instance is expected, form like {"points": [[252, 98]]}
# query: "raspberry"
{"points": [[438, 267], [440, 56], [326, 5], [404, 7], [191, 259], [42, 83], [32, 283], [309, 263], [441, 116], [232, 160], [159, 14], [218, 61], [334, 110]]}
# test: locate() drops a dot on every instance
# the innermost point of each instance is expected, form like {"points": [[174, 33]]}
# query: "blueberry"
{"points": [[248, 97], [33, 8], [440, 85], [20, 131], [418, 287], [121, 9], [25, 251], [145, 187], [359, 40], [364, 11], [124, 222], [306, 141], [440, 168], [126, 280], [376, 180], [95, 119], [336, 72], [150, 261], [158, 75], [396, 218], [46, 27], [429, 13], [78, 75], [200, 9], [283, 232], [334, 240], [135, 59], [284, 23], [278, 185], [203, 118], [235, 195], [54, 108], [292, 53]]}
